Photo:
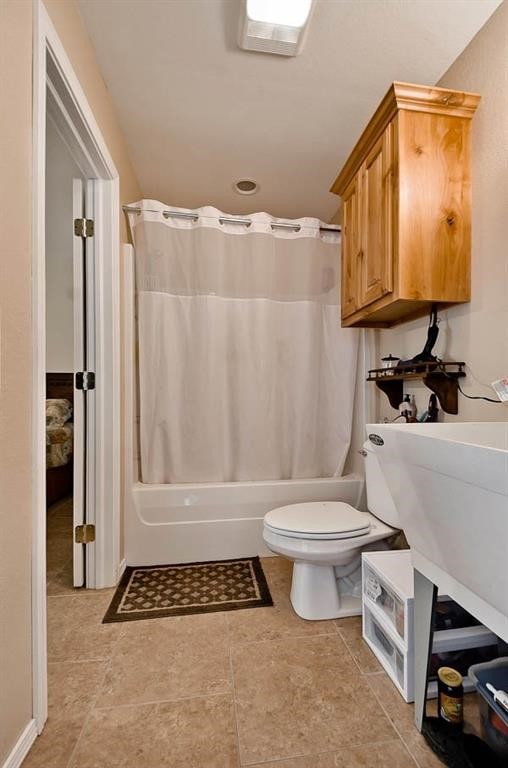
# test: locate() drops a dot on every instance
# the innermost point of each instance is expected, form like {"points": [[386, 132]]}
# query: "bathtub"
{"points": [[186, 523]]}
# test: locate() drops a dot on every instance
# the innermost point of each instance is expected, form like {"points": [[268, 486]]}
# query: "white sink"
{"points": [[450, 486]]}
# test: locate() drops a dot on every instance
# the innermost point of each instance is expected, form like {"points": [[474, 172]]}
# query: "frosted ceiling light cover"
{"points": [[274, 26], [289, 13]]}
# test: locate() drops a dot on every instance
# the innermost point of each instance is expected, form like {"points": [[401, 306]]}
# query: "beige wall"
{"points": [[70, 29], [15, 370], [477, 332], [15, 324]]}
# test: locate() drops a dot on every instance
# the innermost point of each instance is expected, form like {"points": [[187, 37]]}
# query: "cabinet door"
{"points": [[350, 248], [376, 250]]}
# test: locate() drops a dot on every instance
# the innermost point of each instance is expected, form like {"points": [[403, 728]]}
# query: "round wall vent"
{"points": [[246, 186]]}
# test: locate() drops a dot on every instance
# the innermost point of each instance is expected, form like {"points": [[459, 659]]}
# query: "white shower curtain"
{"points": [[244, 370]]}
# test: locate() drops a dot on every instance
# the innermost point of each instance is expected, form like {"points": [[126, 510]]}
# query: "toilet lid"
{"points": [[318, 520]]}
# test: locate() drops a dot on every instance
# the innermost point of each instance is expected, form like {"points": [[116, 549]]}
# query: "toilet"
{"points": [[325, 540]]}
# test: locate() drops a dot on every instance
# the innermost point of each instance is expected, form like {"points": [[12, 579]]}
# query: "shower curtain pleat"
{"points": [[244, 371]]}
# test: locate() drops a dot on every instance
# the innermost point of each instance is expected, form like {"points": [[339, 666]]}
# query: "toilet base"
{"points": [[315, 594]]}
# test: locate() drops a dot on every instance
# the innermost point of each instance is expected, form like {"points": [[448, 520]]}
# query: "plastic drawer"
{"points": [[385, 648], [376, 589]]}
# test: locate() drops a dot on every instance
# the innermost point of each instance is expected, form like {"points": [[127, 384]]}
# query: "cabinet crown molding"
{"points": [[410, 97]]}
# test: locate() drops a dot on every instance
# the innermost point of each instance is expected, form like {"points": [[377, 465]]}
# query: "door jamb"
{"points": [[69, 106]]}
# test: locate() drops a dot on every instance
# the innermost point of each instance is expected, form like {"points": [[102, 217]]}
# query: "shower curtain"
{"points": [[244, 371]]}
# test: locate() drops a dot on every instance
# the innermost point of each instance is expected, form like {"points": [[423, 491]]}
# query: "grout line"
{"points": [[346, 747], [283, 637], [92, 704], [235, 709], [362, 672], [77, 594], [412, 757], [81, 594], [104, 660], [392, 722], [79, 661], [156, 702], [355, 662], [233, 692]]}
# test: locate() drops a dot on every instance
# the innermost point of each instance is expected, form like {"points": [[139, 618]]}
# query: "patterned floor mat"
{"points": [[150, 592]]}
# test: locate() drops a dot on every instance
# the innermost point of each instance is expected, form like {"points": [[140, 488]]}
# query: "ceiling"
{"points": [[199, 113]]}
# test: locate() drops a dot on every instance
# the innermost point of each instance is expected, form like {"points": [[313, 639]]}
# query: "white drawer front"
{"points": [[386, 600]]}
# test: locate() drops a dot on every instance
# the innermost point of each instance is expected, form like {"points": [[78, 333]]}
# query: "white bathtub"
{"points": [[213, 521]]}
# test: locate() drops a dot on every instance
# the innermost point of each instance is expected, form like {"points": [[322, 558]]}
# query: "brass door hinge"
{"points": [[83, 227], [84, 534]]}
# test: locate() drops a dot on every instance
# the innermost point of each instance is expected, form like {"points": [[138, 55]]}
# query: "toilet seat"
{"points": [[318, 520]]}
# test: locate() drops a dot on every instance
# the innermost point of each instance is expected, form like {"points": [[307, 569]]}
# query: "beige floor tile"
{"points": [[402, 716], [390, 754], [194, 733], [59, 527], [60, 582], [350, 630], [75, 629], [278, 572], [300, 696], [421, 752], [58, 552], [59, 521], [165, 659], [254, 624], [72, 687]]}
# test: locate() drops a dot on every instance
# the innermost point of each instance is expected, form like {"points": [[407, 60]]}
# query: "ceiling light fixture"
{"points": [[246, 186], [274, 26]]}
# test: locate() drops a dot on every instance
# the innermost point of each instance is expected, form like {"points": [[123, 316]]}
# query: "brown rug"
{"points": [[155, 591]]}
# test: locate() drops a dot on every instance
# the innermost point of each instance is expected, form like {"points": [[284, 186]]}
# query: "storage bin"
{"points": [[387, 579], [388, 605], [378, 591], [493, 717], [389, 654]]}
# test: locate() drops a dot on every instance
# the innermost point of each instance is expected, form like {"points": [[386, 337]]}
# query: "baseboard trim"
{"points": [[121, 568], [22, 746]]}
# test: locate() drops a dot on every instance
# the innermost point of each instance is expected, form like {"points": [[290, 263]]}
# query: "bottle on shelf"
{"points": [[407, 408]]}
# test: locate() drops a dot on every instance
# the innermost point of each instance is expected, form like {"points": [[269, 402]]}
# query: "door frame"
{"points": [[56, 90]]}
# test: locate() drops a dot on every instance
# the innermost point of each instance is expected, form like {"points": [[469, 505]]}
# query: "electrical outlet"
{"points": [[500, 387]]}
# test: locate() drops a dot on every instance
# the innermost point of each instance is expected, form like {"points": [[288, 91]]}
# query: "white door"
{"points": [[84, 372]]}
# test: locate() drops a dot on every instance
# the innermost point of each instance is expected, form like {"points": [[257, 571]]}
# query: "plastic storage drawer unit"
{"points": [[392, 657], [388, 606]]}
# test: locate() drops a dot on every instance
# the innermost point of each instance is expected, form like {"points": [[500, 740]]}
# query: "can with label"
{"points": [[450, 693]]}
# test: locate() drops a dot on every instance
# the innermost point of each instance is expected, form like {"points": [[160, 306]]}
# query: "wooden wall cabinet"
{"points": [[406, 190]]}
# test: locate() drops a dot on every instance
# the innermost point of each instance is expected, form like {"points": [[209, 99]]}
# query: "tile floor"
{"points": [[256, 687]]}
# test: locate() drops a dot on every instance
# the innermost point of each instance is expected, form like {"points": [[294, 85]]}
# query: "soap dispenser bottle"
{"points": [[407, 407]]}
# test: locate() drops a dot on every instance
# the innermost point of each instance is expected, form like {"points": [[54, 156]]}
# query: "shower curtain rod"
{"points": [[222, 219]]}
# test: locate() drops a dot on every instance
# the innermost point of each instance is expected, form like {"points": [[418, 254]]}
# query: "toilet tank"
{"points": [[379, 499]]}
